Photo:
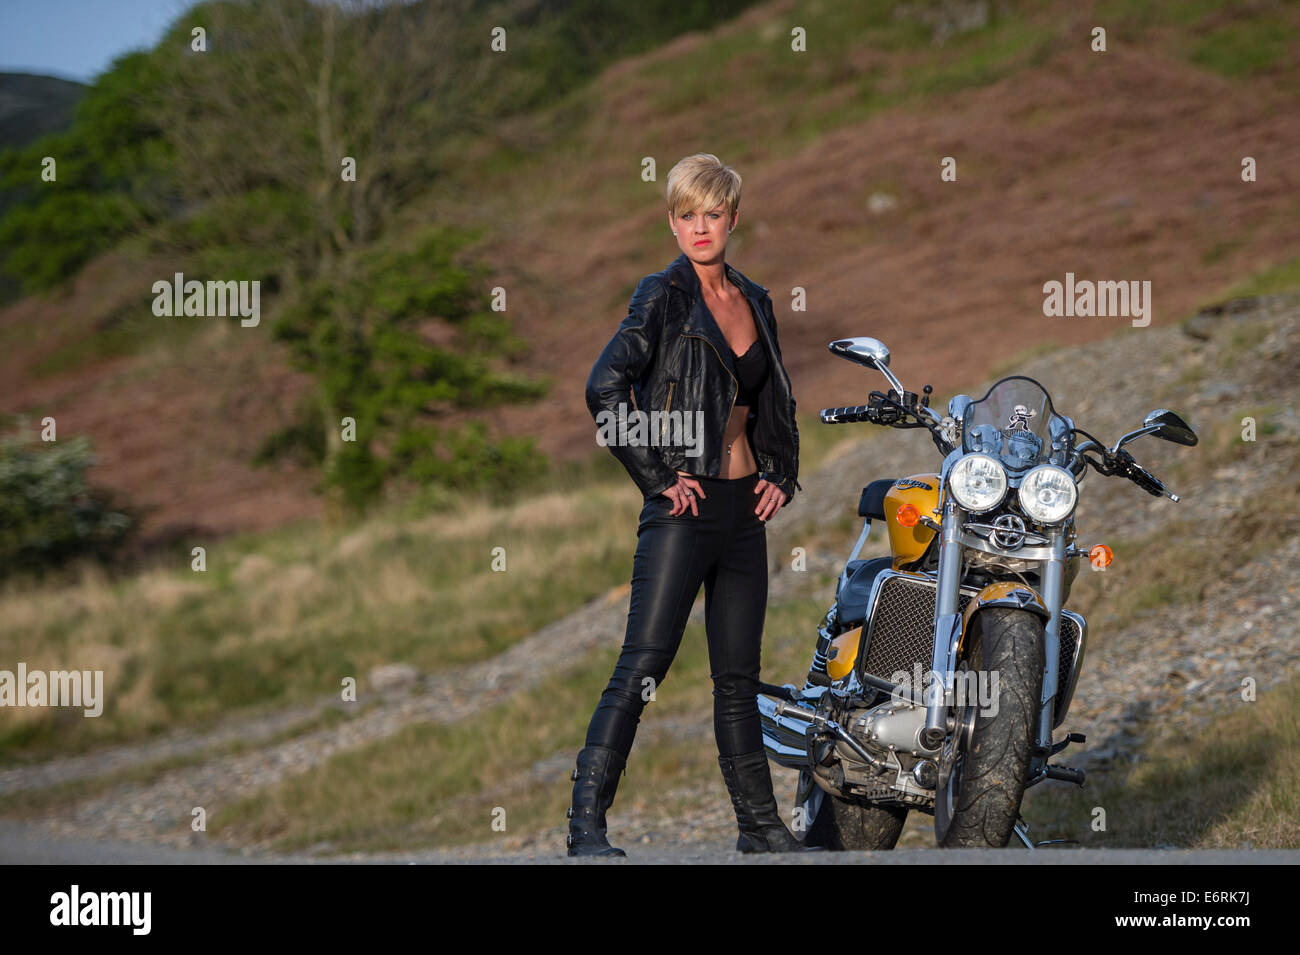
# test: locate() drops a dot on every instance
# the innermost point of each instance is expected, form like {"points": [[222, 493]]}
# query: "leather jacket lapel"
{"points": [[700, 321]]}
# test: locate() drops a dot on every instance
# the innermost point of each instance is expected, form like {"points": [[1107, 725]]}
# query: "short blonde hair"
{"points": [[702, 182]]}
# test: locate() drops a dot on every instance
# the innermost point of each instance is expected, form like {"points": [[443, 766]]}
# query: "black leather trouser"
{"points": [[725, 548]]}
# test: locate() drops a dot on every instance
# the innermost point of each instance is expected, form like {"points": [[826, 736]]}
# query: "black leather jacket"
{"points": [[673, 356]]}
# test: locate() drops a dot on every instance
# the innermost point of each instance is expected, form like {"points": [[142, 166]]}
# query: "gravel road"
{"points": [[19, 845]]}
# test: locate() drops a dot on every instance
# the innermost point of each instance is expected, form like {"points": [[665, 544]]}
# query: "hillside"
{"points": [[31, 106], [1116, 165]]}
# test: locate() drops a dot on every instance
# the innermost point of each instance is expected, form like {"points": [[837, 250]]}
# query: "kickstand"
{"points": [[1022, 830]]}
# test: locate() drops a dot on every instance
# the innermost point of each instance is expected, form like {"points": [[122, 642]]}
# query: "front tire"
{"points": [[980, 801]]}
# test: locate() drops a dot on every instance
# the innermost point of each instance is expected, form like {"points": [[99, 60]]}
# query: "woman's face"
{"points": [[702, 233]]}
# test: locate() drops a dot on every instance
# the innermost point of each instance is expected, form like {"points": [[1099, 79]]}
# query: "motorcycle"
{"points": [[982, 556]]}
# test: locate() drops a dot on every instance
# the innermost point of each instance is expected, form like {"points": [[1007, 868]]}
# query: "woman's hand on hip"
{"points": [[682, 494], [771, 499]]}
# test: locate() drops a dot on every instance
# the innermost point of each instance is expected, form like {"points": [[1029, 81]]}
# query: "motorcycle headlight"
{"points": [[978, 482], [1048, 493]]}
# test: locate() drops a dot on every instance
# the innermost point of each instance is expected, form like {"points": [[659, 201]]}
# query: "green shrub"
{"points": [[48, 512]]}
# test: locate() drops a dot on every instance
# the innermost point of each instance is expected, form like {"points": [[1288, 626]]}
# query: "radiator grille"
{"points": [[902, 634], [902, 629]]}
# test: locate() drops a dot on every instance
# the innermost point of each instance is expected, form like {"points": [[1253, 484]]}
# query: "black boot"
{"points": [[595, 781], [749, 780]]}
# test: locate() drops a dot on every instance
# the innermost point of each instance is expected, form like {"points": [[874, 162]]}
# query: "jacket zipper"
{"points": [[663, 431], [734, 380]]}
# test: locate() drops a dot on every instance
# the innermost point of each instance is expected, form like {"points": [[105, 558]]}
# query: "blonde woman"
{"points": [[719, 458]]}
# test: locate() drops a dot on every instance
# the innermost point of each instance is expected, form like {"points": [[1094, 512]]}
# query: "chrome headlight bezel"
{"points": [[1028, 504], [957, 475]]}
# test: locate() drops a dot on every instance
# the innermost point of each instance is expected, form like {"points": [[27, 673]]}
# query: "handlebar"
{"points": [[849, 415], [1120, 463], [881, 409], [889, 411], [1140, 476]]}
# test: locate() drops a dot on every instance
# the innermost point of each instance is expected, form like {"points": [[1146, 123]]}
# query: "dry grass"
{"points": [[282, 617], [1235, 785]]}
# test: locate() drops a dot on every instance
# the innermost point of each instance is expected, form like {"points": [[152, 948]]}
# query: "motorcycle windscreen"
{"points": [[1015, 423]]}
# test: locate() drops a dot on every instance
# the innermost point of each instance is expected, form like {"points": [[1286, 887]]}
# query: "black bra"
{"points": [[751, 371]]}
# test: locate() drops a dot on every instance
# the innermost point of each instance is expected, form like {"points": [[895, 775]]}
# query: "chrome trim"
{"points": [[947, 623], [1030, 537], [784, 738], [857, 549], [1023, 553], [1011, 532]]}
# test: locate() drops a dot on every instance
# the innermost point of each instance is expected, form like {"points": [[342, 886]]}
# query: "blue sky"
{"points": [[77, 39]]}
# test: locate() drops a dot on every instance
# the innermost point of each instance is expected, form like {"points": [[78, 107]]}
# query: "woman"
{"points": [[720, 456]]}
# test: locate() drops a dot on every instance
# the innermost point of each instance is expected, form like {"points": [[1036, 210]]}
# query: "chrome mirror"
{"points": [[867, 351]]}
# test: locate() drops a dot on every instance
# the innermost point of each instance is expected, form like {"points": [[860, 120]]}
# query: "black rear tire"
{"points": [[979, 805], [846, 824]]}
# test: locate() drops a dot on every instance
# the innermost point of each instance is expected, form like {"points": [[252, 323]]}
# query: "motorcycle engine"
{"points": [[891, 730]]}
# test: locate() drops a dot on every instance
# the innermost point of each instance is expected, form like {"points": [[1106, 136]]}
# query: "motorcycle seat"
{"points": [[872, 502], [856, 592]]}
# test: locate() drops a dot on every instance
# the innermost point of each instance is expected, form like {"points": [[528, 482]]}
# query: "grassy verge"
{"points": [[285, 616]]}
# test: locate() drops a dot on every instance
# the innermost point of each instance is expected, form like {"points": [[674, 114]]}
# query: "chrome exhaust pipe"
{"points": [[785, 731]]}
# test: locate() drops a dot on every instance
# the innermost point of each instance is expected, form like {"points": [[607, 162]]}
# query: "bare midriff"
{"points": [[740, 462]]}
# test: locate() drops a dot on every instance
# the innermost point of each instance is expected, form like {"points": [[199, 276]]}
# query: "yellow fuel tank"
{"points": [[922, 491]]}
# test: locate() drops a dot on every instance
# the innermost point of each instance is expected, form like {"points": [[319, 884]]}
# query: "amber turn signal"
{"points": [[1100, 555], [908, 515]]}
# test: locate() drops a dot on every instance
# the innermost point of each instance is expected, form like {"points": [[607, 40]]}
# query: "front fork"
{"points": [[947, 626], [1053, 582], [948, 632]]}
